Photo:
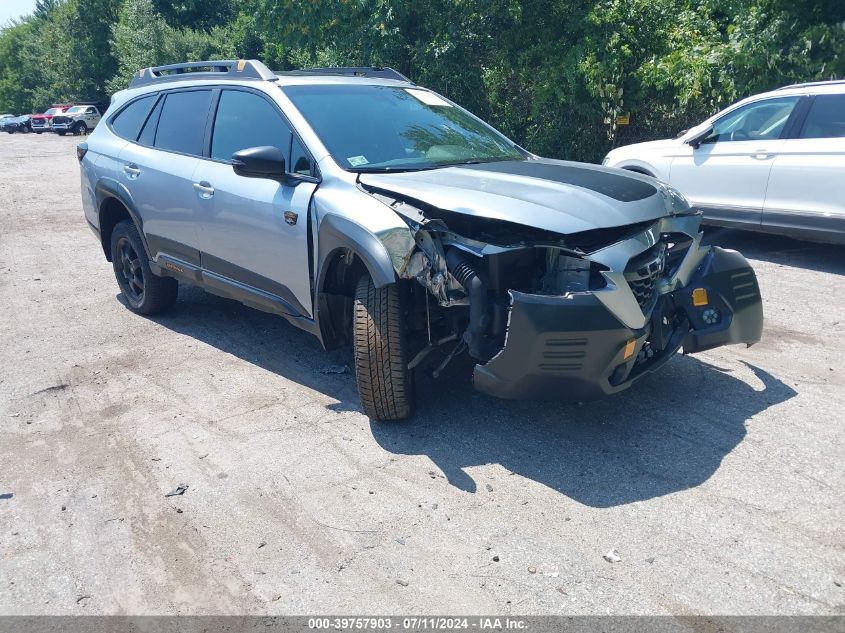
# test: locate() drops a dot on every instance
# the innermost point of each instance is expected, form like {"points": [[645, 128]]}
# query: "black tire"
{"points": [[385, 384], [38, 132], [80, 128], [61, 132], [143, 291]]}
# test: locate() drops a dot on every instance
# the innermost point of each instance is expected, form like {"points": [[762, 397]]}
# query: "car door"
{"points": [[727, 173], [254, 230], [158, 171], [806, 188], [91, 117]]}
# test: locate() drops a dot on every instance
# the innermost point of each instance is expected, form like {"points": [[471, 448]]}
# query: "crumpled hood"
{"points": [[553, 195]]}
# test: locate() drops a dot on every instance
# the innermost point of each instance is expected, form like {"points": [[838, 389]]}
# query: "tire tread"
{"points": [[384, 381]]}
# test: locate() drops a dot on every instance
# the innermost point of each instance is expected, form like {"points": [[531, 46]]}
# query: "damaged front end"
{"points": [[572, 317]]}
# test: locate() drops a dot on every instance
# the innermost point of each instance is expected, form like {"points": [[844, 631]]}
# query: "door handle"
{"points": [[204, 189], [131, 170], [763, 154]]}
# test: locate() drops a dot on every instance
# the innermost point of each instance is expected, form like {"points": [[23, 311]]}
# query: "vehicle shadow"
{"points": [[668, 433], [778, 249]]}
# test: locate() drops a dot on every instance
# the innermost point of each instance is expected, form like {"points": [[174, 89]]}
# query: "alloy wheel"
{"points": [[129, 268]]}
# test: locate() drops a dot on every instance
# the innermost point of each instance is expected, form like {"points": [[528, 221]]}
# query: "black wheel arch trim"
{"points": [[105, 189], [339, 234], [336, 232]]}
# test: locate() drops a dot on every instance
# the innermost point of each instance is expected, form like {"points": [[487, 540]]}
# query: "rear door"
{"points": [[726, 176], [158, 171], [254, 230], [807, 185]]}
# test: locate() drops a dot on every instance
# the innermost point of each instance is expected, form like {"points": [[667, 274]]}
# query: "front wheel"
{"points": [[60, 132], [144, 292], [385, 383], [80, 128]]}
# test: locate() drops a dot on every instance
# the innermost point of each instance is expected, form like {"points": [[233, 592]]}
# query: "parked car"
{"points": [[16, 124], [772, 162], [3, 117], [41, 122], [362, 207], [78, 119]]}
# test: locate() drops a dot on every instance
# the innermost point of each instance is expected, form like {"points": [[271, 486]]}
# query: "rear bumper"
{"points": [[573, 348]]}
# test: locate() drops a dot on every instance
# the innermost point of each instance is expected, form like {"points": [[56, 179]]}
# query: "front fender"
{"points": [[337, 232]]}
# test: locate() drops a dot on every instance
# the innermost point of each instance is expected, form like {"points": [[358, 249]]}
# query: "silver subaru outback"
{"points": [[362, 207]]}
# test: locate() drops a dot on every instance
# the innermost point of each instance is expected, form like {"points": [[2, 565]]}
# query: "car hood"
{"points": [[553, 195], [662, 145]]}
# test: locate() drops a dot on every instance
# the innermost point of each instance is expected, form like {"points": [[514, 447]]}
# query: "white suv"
{"points": [[773, 162]]}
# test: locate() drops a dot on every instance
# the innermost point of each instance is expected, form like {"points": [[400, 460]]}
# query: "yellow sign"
{"points": [[624, 119]]}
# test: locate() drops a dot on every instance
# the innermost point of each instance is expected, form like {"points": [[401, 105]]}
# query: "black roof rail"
{"points": [[376, 72], [220, 69]]}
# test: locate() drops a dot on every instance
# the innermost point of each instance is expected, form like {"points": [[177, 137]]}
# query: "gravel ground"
{"points": [[718, 481]]}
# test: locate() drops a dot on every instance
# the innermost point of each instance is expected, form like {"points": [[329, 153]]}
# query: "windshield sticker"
{"points": [[357, 161], [428, 98]]}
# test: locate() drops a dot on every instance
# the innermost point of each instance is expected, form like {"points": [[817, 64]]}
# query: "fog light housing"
{"points": [[699, 297], [711, 316]]}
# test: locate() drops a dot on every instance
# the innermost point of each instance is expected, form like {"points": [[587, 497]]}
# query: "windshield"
{"points": [[383, 128], [75, 110], [52, 111]]}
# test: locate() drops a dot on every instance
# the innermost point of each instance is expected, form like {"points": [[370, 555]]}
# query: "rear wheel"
{"points": [[384, 382], [144, 292]]}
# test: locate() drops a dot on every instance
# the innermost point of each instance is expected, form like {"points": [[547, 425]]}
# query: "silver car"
{"points": [[362, 207]]}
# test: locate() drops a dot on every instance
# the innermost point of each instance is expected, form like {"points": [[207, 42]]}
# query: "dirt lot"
{"points": [[719, 481]]}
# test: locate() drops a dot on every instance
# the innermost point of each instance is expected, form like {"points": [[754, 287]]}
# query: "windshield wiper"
{"points": [[478, 161], [391, 170]]}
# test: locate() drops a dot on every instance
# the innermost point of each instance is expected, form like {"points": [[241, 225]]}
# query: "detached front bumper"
{"points": [[574, 348]]}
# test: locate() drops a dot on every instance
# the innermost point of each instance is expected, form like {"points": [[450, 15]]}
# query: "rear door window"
{"points": [[826, 118], [244, 120], [128, 121], [181, 126]]}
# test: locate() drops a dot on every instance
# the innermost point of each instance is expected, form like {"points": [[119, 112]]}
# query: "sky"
{"points": [[14, 9]]}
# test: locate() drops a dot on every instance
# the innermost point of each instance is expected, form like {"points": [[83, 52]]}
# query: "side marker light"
{"points": [[699, 297]]}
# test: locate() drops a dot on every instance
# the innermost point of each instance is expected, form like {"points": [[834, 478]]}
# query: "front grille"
{"points": [[60, 119], [643, 273]]}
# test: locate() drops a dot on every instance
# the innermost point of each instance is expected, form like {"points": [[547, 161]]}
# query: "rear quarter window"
{"points": [[127, 123]]}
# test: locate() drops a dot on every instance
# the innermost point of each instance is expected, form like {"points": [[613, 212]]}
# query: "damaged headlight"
{"points": [[564, 274], [676, 204]]}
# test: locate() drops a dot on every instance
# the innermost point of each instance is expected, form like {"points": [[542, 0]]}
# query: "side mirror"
{"points": [[699, 135], [260, 162]]}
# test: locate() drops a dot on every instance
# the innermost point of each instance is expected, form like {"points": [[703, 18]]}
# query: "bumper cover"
{"points": [[573, 348]]}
